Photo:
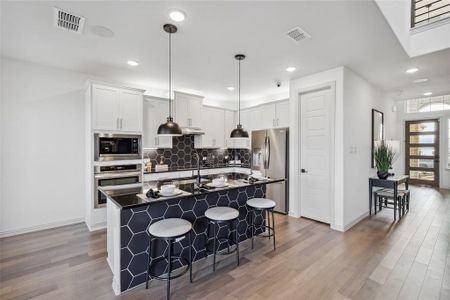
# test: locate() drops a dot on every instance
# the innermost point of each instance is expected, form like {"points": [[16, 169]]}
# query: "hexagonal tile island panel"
{"points": [[135, 221]]}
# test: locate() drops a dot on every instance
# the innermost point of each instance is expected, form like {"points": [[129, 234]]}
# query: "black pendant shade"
{"points": [[239, 132], [170, 128]]}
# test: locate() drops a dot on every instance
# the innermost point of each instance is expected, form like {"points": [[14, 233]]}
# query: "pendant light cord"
{"points": [[170, 75], [239, 92]]}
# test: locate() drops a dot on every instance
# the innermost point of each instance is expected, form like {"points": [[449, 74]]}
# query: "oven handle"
{"points": [[116, 175]]}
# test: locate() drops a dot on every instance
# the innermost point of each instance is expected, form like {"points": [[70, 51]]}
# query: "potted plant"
{"points": [[384, 157]]}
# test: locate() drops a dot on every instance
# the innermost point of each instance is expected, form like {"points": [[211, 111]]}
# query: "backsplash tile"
{"points": [[180, 156]]}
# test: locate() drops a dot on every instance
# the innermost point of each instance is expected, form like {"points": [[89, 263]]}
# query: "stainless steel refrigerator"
{"points": [[270, 155]]}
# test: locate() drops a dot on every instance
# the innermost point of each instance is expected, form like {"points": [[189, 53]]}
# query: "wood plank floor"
{"points": [[376, 259]]}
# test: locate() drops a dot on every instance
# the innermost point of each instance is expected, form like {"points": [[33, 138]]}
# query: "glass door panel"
{"points": [[422, 151]]}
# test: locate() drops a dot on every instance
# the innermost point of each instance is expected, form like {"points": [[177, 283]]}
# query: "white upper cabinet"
{"points": [[230, 124], [105, 104], [155, 113], [282, 113], [213, 123], [188, 110], [130, 110], [116, 109], [247, 119], [266, 116]]}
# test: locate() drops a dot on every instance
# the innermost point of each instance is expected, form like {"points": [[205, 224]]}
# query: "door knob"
{"points": [[304, 171]]}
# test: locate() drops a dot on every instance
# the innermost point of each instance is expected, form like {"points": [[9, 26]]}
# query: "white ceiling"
{"points": [[349, 33]]}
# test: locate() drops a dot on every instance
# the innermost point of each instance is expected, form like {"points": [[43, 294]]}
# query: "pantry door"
{"points": [[422, 152]]}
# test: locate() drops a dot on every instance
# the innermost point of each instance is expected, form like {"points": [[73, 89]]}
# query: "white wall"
{"points": [[354, 100], [334, 77], [359, 99], [418, 41], [42, 147]]}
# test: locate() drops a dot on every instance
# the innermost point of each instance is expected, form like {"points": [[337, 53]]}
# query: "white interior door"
{"points": [[315, 147]]}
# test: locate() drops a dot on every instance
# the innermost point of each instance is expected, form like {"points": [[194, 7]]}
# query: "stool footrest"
{"points": [[173, 258]]}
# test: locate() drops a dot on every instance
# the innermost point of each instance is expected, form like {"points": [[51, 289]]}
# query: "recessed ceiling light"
{"points": [[412, 70], [132, 63], [291, 69], [420, 80], [428, 94], [230, 88], [177, 15]]}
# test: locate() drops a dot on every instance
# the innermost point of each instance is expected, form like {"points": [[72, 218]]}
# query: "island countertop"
{"points": [[136, 197]]}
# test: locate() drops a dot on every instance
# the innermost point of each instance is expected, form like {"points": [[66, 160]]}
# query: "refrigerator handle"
{"points": [[266, 152]]}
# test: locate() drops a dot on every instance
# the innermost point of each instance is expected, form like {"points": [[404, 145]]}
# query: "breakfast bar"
{"points": [[129, 216]]}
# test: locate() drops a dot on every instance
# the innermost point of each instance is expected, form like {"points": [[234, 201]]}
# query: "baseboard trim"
{"points": [[14, 232], [356, 221], [97, 226]]}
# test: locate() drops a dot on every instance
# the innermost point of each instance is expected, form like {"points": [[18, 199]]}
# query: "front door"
{"points": [[315, 147], [422, 152]]}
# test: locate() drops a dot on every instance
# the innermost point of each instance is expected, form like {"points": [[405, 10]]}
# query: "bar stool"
{"points": [[266, 206], [169, 230], [222, 215]]}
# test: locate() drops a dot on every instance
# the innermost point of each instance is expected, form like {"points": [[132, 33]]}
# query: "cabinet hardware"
{"points": [[117, 123], [304, 171], [278, 122], [121, 123]]}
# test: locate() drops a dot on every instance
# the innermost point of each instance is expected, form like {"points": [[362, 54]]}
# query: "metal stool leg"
{"points": [[150, 253], [266, 211], [253, 226], [273, 229], [190, 255], [169, 268], [215, 249], [236, 240]]}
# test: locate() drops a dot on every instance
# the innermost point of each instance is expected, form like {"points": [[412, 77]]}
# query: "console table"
{"points": [[390, 183]]}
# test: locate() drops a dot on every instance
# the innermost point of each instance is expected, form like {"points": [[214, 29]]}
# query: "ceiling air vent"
{"points": [[298, 34], [68, 21]]}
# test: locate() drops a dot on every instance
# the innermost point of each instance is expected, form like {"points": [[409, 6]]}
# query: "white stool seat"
{"points": [[171, 227], [221, 213], [261, 203]]}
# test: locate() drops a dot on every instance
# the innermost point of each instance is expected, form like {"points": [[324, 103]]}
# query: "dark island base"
{"points": [[135, 239]]}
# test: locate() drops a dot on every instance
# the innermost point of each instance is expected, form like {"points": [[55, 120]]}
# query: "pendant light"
{"points": [[170, 128], [239, 132]]}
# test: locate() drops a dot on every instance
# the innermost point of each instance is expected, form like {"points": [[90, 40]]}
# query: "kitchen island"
{"points": [[129, 216]]}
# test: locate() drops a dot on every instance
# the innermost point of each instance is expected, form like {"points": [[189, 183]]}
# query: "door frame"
{"points": [[332, 183], [437, 146]]}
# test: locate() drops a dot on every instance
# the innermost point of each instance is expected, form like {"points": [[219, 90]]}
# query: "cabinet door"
{"points": [[246, 119], [181, 111], [282, 114], [155, 113], [266, 116], [105, 105], [230, 124], [207, 124], [218, 120], [130, 109], [195, 112]]}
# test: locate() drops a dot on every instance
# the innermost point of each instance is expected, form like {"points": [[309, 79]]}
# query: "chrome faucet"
{"points": [[198, 181]]}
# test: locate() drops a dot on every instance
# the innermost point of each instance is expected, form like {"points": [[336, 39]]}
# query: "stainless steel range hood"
{"points": [[192, 131]]}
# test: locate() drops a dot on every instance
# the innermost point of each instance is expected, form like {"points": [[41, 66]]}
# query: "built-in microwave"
{"points": [[117, 146]]}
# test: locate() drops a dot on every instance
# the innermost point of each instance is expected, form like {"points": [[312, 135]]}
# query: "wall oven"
{"points": [[117, 147], [116, 179]]}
